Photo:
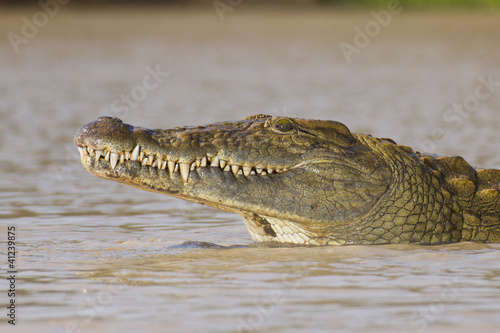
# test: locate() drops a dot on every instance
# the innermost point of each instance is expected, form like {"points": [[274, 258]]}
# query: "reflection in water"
{"points": [[99, 256]]}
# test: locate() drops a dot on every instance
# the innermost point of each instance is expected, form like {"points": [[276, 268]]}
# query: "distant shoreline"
{"points": [[422, 4]]}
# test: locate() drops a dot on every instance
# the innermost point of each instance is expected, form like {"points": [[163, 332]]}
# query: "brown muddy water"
{"points": [[97, 256]]}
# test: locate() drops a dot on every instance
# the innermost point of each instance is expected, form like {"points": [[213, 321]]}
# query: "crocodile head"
{"points": [[292, 180]]}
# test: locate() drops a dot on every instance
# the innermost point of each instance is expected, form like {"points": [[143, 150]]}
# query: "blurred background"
{"points": [[363, 3], [95, 255]]}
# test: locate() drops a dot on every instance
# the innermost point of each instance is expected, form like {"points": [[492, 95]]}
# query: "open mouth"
{"points": [[176, 166]]}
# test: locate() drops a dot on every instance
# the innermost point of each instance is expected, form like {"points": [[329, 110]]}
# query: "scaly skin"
{"points": [[303, 181]]}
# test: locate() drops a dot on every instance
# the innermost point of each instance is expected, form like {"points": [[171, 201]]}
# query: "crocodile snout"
{"points": [[105, 133]]}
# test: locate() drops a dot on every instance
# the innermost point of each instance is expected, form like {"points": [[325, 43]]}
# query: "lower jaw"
{"points": [[161, 181]]}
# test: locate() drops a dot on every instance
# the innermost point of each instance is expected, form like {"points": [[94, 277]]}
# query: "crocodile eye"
{"points": [[284, 125]]}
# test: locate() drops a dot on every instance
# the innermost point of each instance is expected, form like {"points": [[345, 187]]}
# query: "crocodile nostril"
{"points": [[111, 119]]}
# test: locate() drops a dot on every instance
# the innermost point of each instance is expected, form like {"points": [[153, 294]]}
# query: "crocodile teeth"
{"points": [[98, 154], [83, 151], [183, 167], [171, 166], [247, 170], [184, 170], [215, 162], [235, 169], [135, 154], [113, 159]]}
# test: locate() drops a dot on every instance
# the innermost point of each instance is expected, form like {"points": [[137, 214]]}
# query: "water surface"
{"points": [[94, 255]]}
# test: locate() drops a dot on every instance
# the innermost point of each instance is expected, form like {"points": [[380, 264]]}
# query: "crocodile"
{"points": [[303, 181]]}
